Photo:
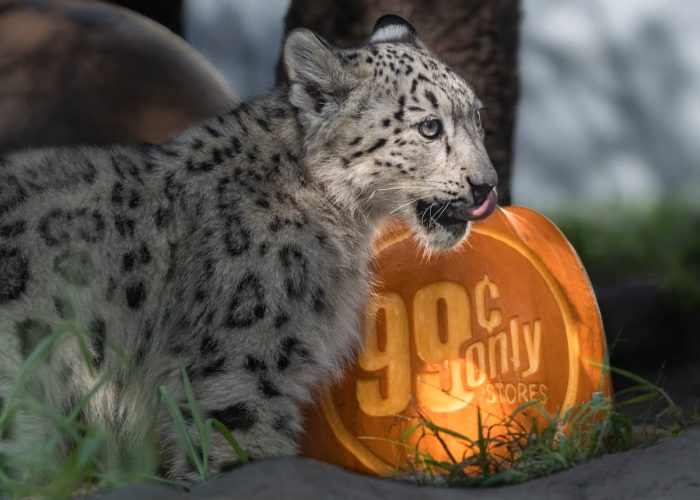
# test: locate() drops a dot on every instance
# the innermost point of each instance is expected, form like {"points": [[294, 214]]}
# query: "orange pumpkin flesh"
{"points": [[507, 318]]}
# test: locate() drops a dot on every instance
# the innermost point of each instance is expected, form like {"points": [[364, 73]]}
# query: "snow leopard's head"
{"points": [[392, 131]]}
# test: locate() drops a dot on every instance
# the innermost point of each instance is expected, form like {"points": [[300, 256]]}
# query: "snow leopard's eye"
{"points": [[478, 106], [430, 128]]}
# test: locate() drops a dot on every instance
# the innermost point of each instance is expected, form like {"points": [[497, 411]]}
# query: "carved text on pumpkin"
{"points": [[454, 363]]}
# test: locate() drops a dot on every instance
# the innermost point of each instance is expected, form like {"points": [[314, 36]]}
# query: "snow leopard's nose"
{"points": [[480, 191]]}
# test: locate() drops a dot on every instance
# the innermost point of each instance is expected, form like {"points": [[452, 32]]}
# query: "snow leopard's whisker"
{"points": [[447, 205], [429, 212], [404, 204]]}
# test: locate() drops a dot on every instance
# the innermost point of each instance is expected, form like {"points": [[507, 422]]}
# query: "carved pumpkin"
{"points": [[508, 318]]}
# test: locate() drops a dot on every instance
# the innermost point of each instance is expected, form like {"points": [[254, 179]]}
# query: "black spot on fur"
{"points": [[13, 229], [134, 200], [238, 416], [98, 330], [53, 227], [280, 320], [291, 347], [431, 97], [125, 227], [355, 141], [322, 239], [267, 388], [283, 362], [209, 345], [263, 124], [254, 364], [236, 145], [89, 173], [135, 295], [128, 260], [295, 268], [12, 194], [163, 217], [202, 166], [144, 254], [262, 249], [236, 236], [63, 309], [276, 224], [318, 298], [216, 156], [317, 95], [215, 367], [118, 194], [248, 303], [379, 144], [212, 131], [172, 188]]}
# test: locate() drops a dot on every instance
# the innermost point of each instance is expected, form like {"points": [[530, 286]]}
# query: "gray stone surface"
{"points": [[667, 470]]}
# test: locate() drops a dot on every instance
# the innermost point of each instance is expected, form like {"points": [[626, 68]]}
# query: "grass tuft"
{"points": [[533, 442], [72, 460]]}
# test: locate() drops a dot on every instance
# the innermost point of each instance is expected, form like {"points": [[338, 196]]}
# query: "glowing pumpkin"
{"points": [[508, 318]]}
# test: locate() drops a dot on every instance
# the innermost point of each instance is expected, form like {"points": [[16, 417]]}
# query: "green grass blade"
{"points": [[182, 430], [202, 429], [240, 452], [483, 446]]}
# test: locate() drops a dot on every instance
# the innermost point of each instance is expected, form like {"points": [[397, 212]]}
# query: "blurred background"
{"points": [[593, 119]]}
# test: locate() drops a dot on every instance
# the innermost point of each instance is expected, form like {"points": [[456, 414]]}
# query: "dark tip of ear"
{"points": [[393, 20]]}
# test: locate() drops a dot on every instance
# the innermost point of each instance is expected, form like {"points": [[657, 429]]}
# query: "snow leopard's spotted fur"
{"points": [[239, 250]]}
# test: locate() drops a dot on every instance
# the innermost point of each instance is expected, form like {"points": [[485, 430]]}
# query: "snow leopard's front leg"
{"points": [[255, 396]]}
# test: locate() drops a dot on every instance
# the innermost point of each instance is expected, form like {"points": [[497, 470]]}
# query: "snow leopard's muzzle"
{"points": [[456, 214]]}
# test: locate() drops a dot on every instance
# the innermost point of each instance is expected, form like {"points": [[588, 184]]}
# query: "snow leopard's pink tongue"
{"points": [[481, 210]]}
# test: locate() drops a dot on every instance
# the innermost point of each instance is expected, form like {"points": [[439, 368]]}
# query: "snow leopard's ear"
{"points": [[319, 81], [395, 29]]}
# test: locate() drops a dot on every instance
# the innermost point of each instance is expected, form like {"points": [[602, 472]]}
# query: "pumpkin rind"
{"points": [[508, 317]]}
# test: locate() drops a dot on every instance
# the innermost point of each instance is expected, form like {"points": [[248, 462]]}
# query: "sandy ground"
{"points": [[667, 470]]}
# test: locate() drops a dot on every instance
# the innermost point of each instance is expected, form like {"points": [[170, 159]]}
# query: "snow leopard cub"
{"points": [[239, 250]]}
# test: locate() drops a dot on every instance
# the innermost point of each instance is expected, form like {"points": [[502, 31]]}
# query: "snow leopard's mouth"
{"points": [[455, 215]]}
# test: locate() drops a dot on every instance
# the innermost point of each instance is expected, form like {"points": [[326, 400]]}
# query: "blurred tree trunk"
{"points": [[166, 12], [478, 38]]}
